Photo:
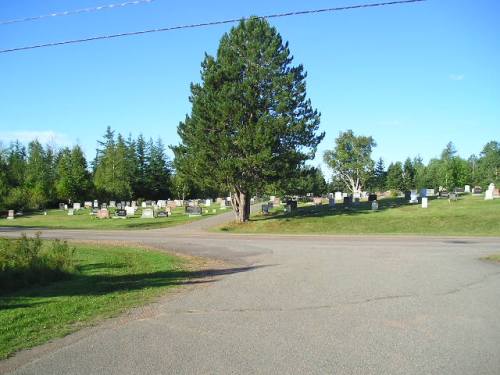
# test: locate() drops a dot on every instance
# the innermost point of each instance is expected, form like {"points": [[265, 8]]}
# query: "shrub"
{"points": [[28, 261]]}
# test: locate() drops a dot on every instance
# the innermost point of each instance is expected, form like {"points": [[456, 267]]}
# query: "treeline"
{"points": [[449, 171], [38, 176]]}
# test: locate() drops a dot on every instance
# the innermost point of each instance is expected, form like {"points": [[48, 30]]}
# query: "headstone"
{"points": [[103, 213], [223, 204], [11, 215], [208, 202], [61, 206], [130, 211], [147, 213], [425, 202], [413, 196], [459, 190], [95, 211], [277, 201], [407, 195], [372, 197], [374, 205], [252, 200], [124, 204], [96, 203], [318, 201], [66, 207], [194, 210], [162, 214], [71, 212], [444, 194], [423, 193], [347, 201], [430, 192], [291, 205], [76, 206], [119, 206], [331, 202], [112, 204], [228, 203], [134, 204], [143, 204], [477, 190], [338, 196], [488, 195], [121, 213], [265, 209], [271, 198], [87, 204], [467, 189], [453, 197]]}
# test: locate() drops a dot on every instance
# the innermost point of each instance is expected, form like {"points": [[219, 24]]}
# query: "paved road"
{"points": [[300, 304]]}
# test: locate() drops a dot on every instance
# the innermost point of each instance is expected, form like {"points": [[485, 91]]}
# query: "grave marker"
{"points": [[147, 213], [10, 215]]}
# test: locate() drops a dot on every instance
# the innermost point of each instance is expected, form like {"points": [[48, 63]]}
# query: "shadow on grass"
{"points": [[361, 208], [97, 285]]}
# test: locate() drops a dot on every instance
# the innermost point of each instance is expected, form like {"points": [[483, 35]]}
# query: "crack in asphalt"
{"points": [[469, 285]]}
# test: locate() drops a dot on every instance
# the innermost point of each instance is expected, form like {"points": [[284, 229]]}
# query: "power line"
{"points": [[77, 11], [198, 25]]}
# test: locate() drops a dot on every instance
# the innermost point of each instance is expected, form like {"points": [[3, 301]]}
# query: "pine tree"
{"points": [[38, 183], [250, 123], [395, 180]]}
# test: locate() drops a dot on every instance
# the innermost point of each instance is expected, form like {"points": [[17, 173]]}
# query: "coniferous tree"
{"points": [[250, 123], [395, 179], [38, 182]]}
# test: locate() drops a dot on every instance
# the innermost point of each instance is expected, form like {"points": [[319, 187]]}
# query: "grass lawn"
{"points": [[58, 219], [493, 258], [469, 216], [109, 280]]}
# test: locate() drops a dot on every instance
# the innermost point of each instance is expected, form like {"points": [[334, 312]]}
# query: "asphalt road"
{"points": [[298, 304]]}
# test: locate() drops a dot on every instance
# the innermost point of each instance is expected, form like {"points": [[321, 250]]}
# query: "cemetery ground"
{"points": [[107, 280], [59, 219], [469, 216]]}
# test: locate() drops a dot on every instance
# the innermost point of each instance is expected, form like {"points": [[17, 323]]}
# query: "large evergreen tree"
{"points": [[250, 123], [72, 177]]}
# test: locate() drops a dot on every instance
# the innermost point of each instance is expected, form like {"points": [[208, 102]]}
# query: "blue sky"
{"points": [[413, 76]]}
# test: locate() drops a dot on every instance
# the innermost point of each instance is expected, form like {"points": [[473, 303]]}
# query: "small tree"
{"points": [[251, 123], [351, 160]]}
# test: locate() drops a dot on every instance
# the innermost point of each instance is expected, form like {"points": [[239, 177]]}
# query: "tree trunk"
{"points": [[241, 206]]}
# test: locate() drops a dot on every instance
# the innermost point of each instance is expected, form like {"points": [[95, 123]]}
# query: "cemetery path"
{"points": [[300, 304]]}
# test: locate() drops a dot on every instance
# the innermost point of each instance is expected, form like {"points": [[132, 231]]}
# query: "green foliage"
{"points": [[72, 177], [250, 123], [26, 261], [351, 160], [489, 164], [39, 181], [395, 180]]}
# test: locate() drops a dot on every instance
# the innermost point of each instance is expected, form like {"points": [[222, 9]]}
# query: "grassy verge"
{"points": [[470, 216], [493, 258], [108, 281], [58, 219]]}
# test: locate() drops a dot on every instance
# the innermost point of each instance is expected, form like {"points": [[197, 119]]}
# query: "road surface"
{"points": [[296, 305]]}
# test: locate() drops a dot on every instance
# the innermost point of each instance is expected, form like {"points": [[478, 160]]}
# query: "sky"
{"points": [[413, 76]]}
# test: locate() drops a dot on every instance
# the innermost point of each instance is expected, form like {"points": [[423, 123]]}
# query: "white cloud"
{"points": [[457, 77], [43, 136]]}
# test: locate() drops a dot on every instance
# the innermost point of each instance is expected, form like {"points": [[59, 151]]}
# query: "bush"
{"points": [[27, 261]]}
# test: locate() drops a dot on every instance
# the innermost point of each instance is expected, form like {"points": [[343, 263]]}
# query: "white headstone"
{"points": [[143, 204], [134, 204], [147, 213], [76, 206], [467, 189], [413, 196], [11, 215], [222, 205], [425, 202], [112, 204], [374, 206], [65, 206], [87, 204], [71, 212], [96, 203], [130, 211], [488, 195], [338, 196], [208, 202], [271, 198]]}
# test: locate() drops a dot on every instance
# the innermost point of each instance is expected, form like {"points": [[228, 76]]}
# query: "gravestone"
{"points": [[61, 206], [94, 211], [10, 215], [143, 204], [338, 196], [147, 213], [423, 193], [347, 201], [318, 201], [459, 190], [112, 204], [130, 211], [96, 203], [488, 195], [66, 207], [331, 202], [477, 190], [430, 193], [413, 196], [265, 209], [208, 202], [467, 189], [277, 201], [104, 205], [87, 204], [228, 203], [76, 206], [194, 210], [121, 213], [119, 206], [444, 194], [425, 202], [134, 204], [453, 197], [162, 214], [407, 195], [103, 213], [71, 212], [372, 197], [291, 205], [271, 198], [252, 200], [222, 204], [374, 205]]}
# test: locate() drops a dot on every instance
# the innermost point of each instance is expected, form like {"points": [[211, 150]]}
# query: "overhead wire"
{"points": [[212, 23]]}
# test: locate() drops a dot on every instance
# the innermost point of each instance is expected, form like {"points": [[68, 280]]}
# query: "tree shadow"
{"points": [[362, 208], [97, 285]]}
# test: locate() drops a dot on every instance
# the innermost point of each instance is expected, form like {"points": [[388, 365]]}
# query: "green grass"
{"points": [[109, 280], [470, 216], [493, 258], [58, 219]]}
